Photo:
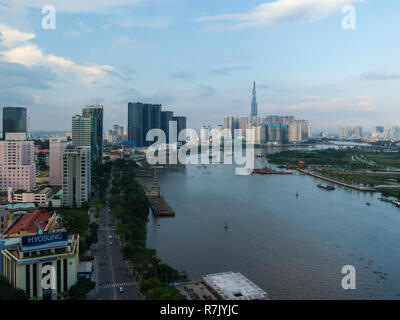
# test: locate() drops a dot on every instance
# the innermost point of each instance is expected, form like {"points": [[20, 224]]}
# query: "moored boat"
{"points": [[326, 186]]}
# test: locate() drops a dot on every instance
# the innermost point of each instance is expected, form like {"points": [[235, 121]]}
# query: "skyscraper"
{"points": [[254, 107], [166, 117], [95, 113], [180, 123], [14, 120], [142, 117]]}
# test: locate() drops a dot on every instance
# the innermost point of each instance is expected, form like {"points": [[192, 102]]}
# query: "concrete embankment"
{"points": [[364, 189]]}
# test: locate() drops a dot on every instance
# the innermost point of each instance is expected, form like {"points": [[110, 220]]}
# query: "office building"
{"points": [[14, 120], [76, 176], [17, 165], [41, 245], [95, 113], [57, 148]]}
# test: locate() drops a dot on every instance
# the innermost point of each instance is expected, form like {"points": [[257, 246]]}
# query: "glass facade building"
{"points": [[95, 113], [14, 120]]}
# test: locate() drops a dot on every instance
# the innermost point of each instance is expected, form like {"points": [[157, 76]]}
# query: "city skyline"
{"points": [[198, 60]]}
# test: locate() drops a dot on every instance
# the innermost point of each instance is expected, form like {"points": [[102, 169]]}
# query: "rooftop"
{"points": [[27, 222], [18, 206], [85, 267], [234, 286]]}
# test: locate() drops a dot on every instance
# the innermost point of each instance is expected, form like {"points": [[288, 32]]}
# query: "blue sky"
{"points": [[199, 58]]}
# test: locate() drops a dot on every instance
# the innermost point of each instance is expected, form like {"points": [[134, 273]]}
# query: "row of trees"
{"points": [[130, 208]]}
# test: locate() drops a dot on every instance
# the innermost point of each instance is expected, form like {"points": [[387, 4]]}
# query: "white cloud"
{"points": [[30, 55], [19, 6], [276, 13], [10, 36], [37, 98], [335, 105]]}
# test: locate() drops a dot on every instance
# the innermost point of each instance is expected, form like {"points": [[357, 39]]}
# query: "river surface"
{"points": [[293, 248]]}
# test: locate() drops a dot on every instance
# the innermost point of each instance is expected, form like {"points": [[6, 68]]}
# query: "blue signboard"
{"points": [[43, 241]]}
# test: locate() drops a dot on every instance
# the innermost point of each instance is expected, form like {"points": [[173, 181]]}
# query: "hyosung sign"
{"points": [[43, 241]]}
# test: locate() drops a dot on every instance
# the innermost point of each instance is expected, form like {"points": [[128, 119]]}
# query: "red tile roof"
{"points": [[27, 222]]}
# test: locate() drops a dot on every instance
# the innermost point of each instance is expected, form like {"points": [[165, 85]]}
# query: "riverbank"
{"points": [[130, 208], [292, 247], [358, 188]]}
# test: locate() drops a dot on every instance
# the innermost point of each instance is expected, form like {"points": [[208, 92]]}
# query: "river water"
{"points": [[293, 248]]}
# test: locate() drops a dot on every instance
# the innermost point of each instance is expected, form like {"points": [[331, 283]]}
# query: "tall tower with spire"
{"points": [[254, 107]]}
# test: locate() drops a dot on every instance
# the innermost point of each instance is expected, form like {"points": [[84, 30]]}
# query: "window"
{"points": [[28, 279], [34, 292]]}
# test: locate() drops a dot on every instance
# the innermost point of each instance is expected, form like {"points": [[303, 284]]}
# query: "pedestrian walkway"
{"points": [[114, 285]]}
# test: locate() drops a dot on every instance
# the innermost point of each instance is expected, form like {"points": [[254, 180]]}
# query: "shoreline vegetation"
{"points": [[129, 206], [360, 167]]}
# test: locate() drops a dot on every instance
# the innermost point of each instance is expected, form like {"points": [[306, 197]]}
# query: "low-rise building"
{"points": [[30, 223], [25, 264], [38, 195]]}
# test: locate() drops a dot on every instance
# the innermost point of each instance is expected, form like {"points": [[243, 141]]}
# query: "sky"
{"points": [[199, 59]]}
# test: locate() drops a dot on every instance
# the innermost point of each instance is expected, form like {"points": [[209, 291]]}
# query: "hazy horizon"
{"points": [[199, 59]]}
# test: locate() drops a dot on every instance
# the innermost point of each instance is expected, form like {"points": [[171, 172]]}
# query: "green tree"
{"points": [[81, 288], [8, 292], [164, 293]]}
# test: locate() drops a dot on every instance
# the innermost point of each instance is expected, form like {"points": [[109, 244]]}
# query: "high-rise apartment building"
{"points": [[180, 123], [17, 165], [166, 117], [76, 184], [345, 132], [260, 134], [205, 134], [243, 124], [14, 120], [81, 131], [274, 133], [230, 123], [57, 149], [357, 132], [298, 130]]}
